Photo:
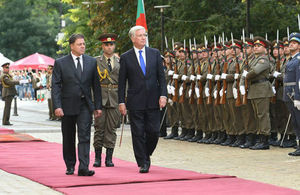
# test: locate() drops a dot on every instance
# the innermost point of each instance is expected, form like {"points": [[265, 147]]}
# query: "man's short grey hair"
{"points": [[134, 29]]}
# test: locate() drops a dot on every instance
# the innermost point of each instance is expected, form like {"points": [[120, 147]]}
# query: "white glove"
{"points": [[198, 76], [274, 90], [235, 94], [297, 104], [173, 90], [209, 76], [221, 92], [244, 73], [175, 76], [180, 91], [170, 73], [215, 94], [192, 77], [242, 90], [236, 76], [276, 74], [169, 89], [207, 92], [217, 77], [223, 76], [183, 77], [197, 91], [190, 92], [170, 101]]}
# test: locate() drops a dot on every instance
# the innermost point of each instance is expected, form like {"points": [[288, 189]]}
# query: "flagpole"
{"points": [[161, 7]]}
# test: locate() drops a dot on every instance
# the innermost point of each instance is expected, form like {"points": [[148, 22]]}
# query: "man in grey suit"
{"points": [[74, 77], [106, 126]]}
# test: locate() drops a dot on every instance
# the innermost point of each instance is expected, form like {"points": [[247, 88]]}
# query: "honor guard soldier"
{"points": [[52, 116], [106, 125], [291, 84], [260, 91], [8, 92]]}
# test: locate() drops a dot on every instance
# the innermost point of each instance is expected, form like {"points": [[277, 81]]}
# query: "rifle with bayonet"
{"points": [[200, 86], [225, 67], [192, 98], [181, 100], [209, 71], [246, 67], [237, 71], [278, 62], [218, 72]]}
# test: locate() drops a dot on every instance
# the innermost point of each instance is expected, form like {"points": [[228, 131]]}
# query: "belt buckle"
{"points": [[109, 85]]}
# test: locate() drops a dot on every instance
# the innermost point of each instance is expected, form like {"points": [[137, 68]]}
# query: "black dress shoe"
{"points": [[70, 171], [145, 168], [295, 153], [86, 172], [8, 123]]}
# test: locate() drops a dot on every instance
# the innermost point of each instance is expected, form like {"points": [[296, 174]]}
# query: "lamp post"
{"points": [[161, 7]]}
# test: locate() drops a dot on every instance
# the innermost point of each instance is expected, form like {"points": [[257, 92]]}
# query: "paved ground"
{"points": [[273, 166]]}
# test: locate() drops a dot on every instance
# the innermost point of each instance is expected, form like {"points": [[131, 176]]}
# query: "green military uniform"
{"points": [[8, 93], [50, 103], [106, 125], [259, 93], [246, 108], [172, 106]]}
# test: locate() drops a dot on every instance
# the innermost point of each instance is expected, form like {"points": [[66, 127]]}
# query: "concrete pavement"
{"points": [[272, 166]]}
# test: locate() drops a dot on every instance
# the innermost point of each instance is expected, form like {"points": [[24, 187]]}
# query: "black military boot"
{"points": [[213, 137], [108, 158], [297, 151], [239, 141], [250, 141], [189, 135], [174, 133], [230, 140], [206, 137], [273, 139], [198, 136], [263, 144], [98, 153], [183, 133], [291, 142], [221, 137]]}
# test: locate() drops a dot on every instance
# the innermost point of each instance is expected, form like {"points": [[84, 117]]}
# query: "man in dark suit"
{"points": [[142, 68], [73, 78]]}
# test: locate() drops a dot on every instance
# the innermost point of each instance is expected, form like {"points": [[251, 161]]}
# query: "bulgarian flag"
{"points": [[141, 16]]}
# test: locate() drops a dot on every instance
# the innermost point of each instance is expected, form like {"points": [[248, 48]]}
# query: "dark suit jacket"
{"points": [[143, 91], [66, 86]]}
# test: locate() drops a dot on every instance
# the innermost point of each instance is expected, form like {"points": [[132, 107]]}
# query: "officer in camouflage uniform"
{"points": [[8, 92], [260, 91], [106, 125]]}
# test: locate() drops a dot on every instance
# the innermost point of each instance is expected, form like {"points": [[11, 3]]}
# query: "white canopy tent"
{"points": [[3, 60]]}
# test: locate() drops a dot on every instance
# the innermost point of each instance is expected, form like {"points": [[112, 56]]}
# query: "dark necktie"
{"points": [[79, 67], [109, 64]]}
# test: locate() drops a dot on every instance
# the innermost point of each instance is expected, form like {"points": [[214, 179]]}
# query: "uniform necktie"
{"points": [[109, 64], [142, 62], [79, 67]]}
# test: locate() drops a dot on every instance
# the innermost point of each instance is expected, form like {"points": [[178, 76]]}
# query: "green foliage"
{"points": [[29, 26]]}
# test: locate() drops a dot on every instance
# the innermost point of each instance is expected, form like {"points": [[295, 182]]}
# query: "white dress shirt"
{"points": [[76, 61], [137, 53]]}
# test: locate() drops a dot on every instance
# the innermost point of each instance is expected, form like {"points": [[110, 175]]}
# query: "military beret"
{"points": [[294, 37], [261, 41], [108, 37], [6, 64]]}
